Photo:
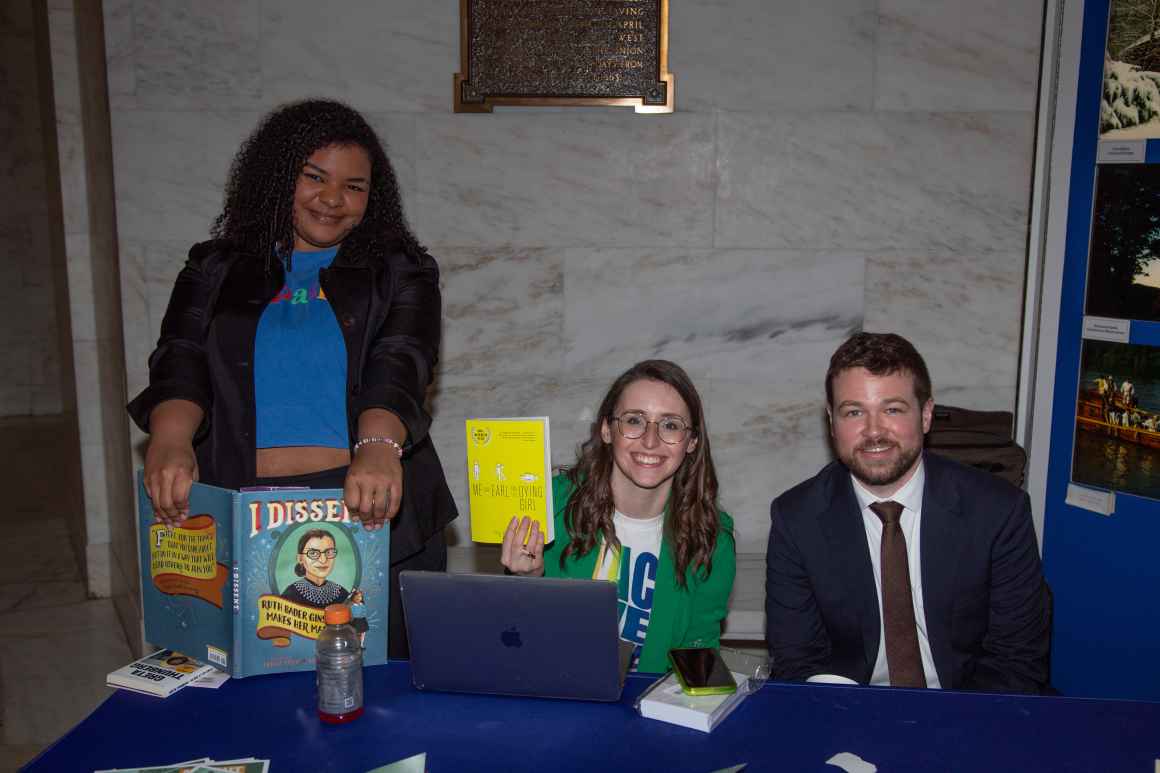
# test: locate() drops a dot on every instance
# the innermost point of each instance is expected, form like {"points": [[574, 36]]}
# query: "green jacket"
{"points": [[680, 617]]}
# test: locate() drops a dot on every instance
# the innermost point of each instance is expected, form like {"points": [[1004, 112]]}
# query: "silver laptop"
{"points": [[533, 636]]}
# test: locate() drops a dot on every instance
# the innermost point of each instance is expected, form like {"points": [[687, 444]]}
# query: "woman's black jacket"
{"points": [[388, 308]]}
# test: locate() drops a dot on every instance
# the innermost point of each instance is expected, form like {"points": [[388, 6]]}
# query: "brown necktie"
{"points": [[902, 655]]}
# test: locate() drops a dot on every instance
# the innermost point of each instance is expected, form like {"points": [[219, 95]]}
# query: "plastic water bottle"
{"points": [[339, 668]]}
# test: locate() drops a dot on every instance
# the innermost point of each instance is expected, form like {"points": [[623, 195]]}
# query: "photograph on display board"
{"points": [[1124, 261], [1117, 420], [1130, 104]]}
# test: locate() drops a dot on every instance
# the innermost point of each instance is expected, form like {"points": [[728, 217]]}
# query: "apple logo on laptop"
{"points": [[511, 638]]}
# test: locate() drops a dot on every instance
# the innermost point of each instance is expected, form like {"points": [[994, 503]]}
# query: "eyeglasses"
{"points": [[633, 424], [314, 553]]}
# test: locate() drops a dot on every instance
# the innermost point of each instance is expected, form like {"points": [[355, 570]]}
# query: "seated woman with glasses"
{"points": [[639, 508]]}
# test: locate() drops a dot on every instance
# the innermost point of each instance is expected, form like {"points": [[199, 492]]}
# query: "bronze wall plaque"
{"points": [[564, 52]]}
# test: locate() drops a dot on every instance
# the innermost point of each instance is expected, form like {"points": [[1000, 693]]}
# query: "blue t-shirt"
{"points": [[300, 363]]}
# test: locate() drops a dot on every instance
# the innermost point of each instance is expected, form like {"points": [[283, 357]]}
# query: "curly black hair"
{"points": [[257, 213]]}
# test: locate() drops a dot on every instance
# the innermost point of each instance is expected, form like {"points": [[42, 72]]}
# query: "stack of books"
{"points": [[162, 674]]}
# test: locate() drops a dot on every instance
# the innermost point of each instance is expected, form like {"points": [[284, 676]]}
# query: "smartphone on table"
{"points": [[701, 671]]}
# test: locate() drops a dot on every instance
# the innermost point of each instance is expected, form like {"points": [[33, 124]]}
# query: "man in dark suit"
{"points": [[895, 566]]}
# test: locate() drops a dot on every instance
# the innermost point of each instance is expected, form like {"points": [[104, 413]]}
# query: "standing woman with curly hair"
{"points": [[639, 508], [300, 341]]}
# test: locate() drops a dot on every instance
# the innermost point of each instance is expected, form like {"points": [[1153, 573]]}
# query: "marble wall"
{"points": [[30, 383], [94, 301], [832, 165]]}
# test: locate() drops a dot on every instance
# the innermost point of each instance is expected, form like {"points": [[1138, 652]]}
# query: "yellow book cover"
{"points": [[509, 469]]}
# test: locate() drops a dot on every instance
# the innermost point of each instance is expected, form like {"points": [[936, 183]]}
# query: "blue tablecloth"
{"points": [[783, 727]]}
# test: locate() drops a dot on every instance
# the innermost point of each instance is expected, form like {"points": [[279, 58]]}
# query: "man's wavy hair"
{"points": [[258, 210], [883, 354], [691, 521]]}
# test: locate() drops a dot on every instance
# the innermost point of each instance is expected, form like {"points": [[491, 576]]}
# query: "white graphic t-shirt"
{"points": [[634, 569]]}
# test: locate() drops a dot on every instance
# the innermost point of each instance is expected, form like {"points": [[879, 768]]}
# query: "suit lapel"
{"points": [[847, 537], [942, 539]]}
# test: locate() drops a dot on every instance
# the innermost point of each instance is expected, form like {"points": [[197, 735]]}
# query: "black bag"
{"points": [[982, 439]]}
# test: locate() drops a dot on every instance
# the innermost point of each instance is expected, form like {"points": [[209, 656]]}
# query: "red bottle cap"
{"points": [[336, 614]]}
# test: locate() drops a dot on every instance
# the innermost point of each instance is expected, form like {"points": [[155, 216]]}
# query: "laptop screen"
{"points": [[505, 635]]}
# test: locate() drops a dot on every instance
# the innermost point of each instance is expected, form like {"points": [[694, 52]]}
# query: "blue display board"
{"points": [[1104, 569]]}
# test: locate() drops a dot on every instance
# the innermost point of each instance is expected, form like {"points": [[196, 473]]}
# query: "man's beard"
{"points": [[881, 475]]}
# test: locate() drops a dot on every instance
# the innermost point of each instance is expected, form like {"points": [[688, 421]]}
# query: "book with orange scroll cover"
{"points": [[242, 582]]}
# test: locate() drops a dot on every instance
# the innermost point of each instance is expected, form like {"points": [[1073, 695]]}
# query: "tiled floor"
{"points": [[55, 644]]}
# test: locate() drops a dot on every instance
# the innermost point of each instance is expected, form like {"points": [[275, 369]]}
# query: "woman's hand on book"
{"points": [[170, 463], [523, 547], [170, 470], [374, 485]]}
